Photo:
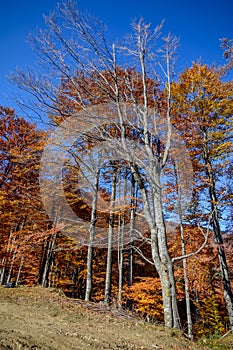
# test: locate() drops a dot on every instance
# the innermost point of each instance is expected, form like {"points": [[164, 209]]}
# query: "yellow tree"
{"points": [[202, 110]]}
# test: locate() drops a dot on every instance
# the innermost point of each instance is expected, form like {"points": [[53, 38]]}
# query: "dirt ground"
{"points": [[38, 318]]}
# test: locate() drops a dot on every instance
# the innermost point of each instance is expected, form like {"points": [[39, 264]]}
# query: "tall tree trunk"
{"points": [[108, 278], [43, 261], [19, 227], [186, 285], [49, 258], [74, 280], [3, 271], [228, 295], [164, 267], [163, 261], [132, 227], [12, 265], [19, 270], [159, 249], [51, 279], [5, 259], [91, 239], [120, 256], [183, 249]]}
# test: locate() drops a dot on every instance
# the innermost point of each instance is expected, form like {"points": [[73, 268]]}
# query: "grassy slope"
{"points": [[39, 318]]}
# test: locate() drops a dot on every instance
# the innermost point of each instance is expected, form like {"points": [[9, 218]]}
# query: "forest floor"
{"points": [[39, 318]]}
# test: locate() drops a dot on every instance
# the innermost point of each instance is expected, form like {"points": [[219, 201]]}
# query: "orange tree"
{"points": [[22, 215]]}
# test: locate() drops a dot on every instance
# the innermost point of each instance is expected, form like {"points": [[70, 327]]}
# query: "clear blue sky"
{"points": [[198, 23]]}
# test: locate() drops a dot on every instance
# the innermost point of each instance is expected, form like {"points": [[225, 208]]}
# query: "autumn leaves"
{"points": [[131, 149]]}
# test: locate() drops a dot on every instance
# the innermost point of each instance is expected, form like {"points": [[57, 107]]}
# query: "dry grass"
{"points": [[39, 318]]}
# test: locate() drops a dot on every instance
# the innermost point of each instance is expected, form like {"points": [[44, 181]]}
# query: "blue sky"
{"points": [[198, 23]]}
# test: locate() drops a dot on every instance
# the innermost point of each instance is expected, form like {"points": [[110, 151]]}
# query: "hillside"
{"points": [[39, 318]]}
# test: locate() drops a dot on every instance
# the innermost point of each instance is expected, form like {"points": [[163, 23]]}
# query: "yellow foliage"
{"points": [[210, 317], [146, 298]]}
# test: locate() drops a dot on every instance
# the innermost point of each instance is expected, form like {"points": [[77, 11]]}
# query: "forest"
{"points": [[124, 195]]}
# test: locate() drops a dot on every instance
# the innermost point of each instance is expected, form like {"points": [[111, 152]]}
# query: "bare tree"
{"points": [[126, 110]]}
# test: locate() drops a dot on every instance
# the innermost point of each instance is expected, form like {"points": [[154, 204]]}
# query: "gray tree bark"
{"points": [[186, 285], [91, 239], [48, 261], [107, 293]]}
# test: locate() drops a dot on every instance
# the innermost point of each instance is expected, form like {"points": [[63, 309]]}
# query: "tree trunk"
{"points": [[11, 265], [132, 227], [164, 264], [120, 257], [5, 259], [91, 239], [110, 238], [3, 271], [186, 285], [167, 297], [164, 268], [19, 270], [228, 295], [19, 228], [43, 261], [48, 261], [183, 249], [159, 249]]}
